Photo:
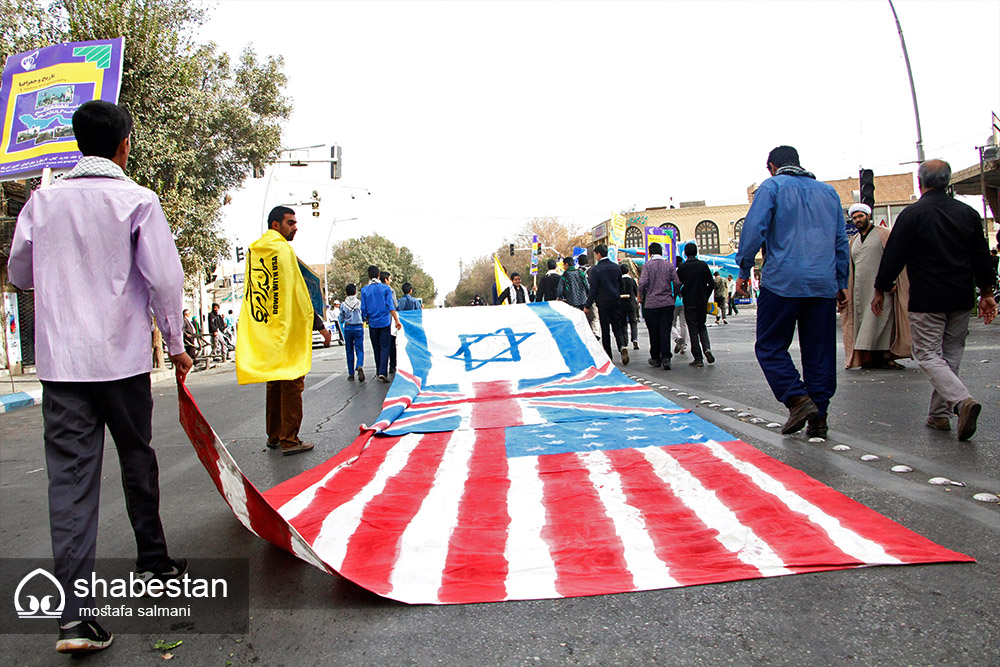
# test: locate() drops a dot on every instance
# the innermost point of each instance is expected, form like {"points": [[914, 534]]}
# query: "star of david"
{"points": [[511, 353]]}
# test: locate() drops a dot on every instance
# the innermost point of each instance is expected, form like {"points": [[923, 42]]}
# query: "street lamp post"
{"points": [[326, 259], [913, 90], [274, 166]]}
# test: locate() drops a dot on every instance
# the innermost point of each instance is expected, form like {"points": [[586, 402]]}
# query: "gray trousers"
{"points": [[938, 344], [74, 416]]}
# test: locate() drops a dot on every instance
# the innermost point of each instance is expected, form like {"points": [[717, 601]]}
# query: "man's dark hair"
{"points": [[691, 249], [351, 289], [783, 156], [278, 214], [716, 273], [407, 288], [215, 305], [568, 261], [551, 264], [100, 127], [655, 248], [373, 271], [515, 274], [934, 174], [601, 249], [384, 275], [624, 269], [582, 260]]}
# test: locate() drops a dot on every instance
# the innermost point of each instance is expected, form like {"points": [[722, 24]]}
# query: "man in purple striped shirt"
{"points": [[99, 253], [657, 285]]}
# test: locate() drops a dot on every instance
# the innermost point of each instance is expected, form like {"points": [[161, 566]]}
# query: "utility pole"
{"points": [[913, 90]]}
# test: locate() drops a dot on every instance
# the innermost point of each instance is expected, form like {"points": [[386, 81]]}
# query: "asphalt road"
{"points": [[911, 615]]}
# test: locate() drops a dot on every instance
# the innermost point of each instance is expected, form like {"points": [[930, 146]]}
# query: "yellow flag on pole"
{"points": [[502, 281], [275, 325]]}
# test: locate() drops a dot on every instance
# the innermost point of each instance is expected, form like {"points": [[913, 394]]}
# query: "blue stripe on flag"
{"points": [[574, 352], [416, 343]]}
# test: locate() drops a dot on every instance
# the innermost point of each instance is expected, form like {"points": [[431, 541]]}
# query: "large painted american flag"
{"points": [[513, 461]]}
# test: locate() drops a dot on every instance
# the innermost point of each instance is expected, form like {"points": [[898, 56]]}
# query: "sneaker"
{"points": [[625, 356], [83, 637], [383, 379], [178, 568], [635, 345], [938, 423], [968, 413], [361, 375], [709, 356], [653, 362], [350, 378], [666, 365], [678, 346], [697, 363], [297, 449], [800, 410]]}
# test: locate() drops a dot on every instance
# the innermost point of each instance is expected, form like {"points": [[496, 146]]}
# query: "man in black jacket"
{"points": [[606, 289], [549, 284], [941, 243], [217, 327], [697, 288]]}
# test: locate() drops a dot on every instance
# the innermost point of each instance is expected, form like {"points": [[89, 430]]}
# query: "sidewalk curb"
{"points": [[22, 399]]}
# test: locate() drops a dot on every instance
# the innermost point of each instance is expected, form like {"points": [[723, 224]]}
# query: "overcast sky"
{"points": [[466, 119]]}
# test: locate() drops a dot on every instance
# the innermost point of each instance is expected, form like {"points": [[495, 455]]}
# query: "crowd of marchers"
{"points": [[905, 293]]}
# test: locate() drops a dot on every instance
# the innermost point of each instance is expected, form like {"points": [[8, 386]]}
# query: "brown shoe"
{"points": [[297, 449], [968, 413], [273, 445], [938, 423], [800, 410], [625, 356]]}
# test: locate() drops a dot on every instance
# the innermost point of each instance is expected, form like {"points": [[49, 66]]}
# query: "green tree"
{"points": [[201, 122], [350, 260]]}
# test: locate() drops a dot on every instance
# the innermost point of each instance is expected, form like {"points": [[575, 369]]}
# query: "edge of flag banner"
{"points": [[515, 488]]}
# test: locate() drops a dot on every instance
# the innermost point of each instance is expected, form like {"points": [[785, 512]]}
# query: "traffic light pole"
{"points": [[913, 90]]}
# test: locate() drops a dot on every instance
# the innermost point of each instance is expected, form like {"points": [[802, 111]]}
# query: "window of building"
{"points": [[706, 235], [676, 230], [634, 237], [738, 231]]}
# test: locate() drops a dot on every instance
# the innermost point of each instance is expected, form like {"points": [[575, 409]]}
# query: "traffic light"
{"points": [[511, 249], [866, 178], [315, 207], [239, 254], [335, 162]]}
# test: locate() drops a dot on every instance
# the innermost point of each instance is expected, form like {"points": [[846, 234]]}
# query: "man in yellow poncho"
{"points": [[275, 341]]}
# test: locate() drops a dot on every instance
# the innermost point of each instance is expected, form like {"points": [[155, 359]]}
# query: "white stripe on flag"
{"points": [[648, 571], [733, 535], [844, 539], [340, 524], [531, 574], [423, 546]]}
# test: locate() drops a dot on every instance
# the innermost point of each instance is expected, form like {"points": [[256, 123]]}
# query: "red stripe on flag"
{"points": [[689, 548], [476, 568], [373, 548], [790, 534], [897, 540], [494, 405], [587, 551], [341, 488], [282, 493]]}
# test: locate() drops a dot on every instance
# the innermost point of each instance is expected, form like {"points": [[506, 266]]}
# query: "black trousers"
{"points": [[659, 321], [630, 319], [611, 322], [697, 330], [74, 416]]}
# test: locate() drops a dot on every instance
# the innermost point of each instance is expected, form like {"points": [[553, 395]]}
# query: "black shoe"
{"points": [[800, 410], [666, 365], [709, 356], [697, 363], [817, 428], [273, 445], [350, 378], [361, 375], [383, 379], [635, 345], [177, 569], [83, 637], [653, 362]]}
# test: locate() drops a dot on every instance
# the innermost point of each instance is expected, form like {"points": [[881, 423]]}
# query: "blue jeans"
{"points": [[354, 342], [777, 317], [381, 342]]}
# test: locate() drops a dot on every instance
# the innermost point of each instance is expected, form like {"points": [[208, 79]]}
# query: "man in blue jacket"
{"points": [[378, 308], [800, 224]]}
